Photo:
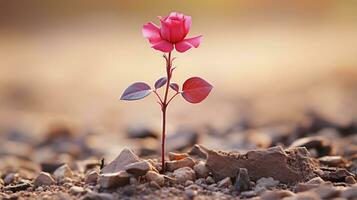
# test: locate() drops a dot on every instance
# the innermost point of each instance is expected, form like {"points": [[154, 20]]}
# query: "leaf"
{"points": [[136, 91], [195, 89], [161, 82], [174, 86]]}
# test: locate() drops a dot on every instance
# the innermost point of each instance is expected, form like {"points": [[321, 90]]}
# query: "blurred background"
{"points": [[65, 64]]}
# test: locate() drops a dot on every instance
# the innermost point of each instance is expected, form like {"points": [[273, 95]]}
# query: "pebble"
{"points": [[91, 177], [316, 180], [111, 180], [210, 180], [198, 151], [190, 194], [184, 174], [188, 183], [44, 178], [267, 182], [63, 172], [332, 161], [350, 180], [76, 190], [10, 178], [242, 181], [201, 169], [226, 182], [177, 156], [176, 164], [156, 177], [65, 180], [125, 158], [138, 168]]}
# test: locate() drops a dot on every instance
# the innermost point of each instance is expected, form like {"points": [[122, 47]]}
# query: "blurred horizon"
{"points": [[68, 62]]}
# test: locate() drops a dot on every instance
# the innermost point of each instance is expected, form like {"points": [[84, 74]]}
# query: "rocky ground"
{"points": [[314, 159]]}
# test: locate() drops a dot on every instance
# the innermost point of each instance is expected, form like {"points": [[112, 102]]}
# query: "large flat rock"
{"points": [[287, 166]]}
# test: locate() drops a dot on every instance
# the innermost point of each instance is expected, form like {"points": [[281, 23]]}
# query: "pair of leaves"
{"points": [[194, 90]]}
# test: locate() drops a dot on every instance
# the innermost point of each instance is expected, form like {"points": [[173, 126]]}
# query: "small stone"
{"points": [[350, 180], [10, 178], [125, 158], [138, 168], [156, 177], [111, 180], [198, 151], [190, 194], [349, 193], [226, 182], [210, 180], [65, 180], [44, 178], [40, 189], [50, 167], [176, 164], [62, 172], [184, 174], [267, 182], [154, 185], [76, 190], [201, 169], [91, 177], [177, 156], [332, 161], [336, 175], [242, 181], [188, 183], [327, 192], [316, 180], [200, 181]]}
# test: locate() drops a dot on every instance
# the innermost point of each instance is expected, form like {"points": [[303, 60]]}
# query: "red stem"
{"points": [[163, 109]]}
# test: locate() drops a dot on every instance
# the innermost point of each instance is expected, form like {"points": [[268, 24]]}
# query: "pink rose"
{"points": [[174, 28]]}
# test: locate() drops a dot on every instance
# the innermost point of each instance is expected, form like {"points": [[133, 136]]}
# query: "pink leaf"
{"points": [[161, 82], [174, 86], [136, 91], [195, 89]]}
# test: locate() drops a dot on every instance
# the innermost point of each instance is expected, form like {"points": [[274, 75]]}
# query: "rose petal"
{"points": [[151, 32], [165, 29], [188, 43], [163, 46], [188, 22]]}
